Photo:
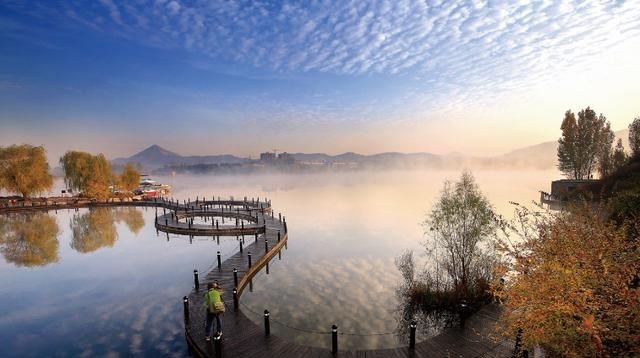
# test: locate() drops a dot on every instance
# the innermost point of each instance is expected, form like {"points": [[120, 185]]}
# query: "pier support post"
{"points": [[278, 235], [280, 217], [196, 282], [266, 244], [334, 339], [412, 335], [241, 241], [255, 238], [235, 277], [217, 345], [217, 225], [219, 260], [185, 302], [235, 298], [267, 326], [249, 257]]}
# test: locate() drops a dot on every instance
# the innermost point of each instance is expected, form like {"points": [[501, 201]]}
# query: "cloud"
{"points": [[449, 53]]}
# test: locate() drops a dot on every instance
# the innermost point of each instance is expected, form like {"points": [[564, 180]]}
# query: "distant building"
{"points": [[267, 157], [286, 158]]}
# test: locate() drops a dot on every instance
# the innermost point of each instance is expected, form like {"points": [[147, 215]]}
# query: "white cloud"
{"points": [[468, 49]]}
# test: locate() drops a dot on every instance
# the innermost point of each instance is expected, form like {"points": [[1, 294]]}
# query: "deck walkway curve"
{"points": [[263, 237], [243, 338]]}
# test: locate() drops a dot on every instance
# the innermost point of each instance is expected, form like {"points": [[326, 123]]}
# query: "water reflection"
{"points": [[131, 216], [29, 240], [96, 227], [93, 229], [429, 323]]}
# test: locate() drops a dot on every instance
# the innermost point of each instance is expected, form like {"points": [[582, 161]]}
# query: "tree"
{"points": [[130, 177], [87, 173], [619, 157], [24, 169], [634, 137], [582, 143], [605, 155], [459, 222], [571, 289]]}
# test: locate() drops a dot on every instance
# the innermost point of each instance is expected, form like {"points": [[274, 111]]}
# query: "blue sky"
{"points": [[245, 76]]}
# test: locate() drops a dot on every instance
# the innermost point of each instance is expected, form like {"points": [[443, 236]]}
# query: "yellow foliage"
{"points": [[130, 177], [87, 173], [93, 229], [572, 288], [24, 169], [29, 239]]}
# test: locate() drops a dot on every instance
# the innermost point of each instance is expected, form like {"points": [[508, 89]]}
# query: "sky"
{"points": [[242, 77]]}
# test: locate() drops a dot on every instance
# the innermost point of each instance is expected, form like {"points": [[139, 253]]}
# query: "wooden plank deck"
{"points": [[243, 338]]}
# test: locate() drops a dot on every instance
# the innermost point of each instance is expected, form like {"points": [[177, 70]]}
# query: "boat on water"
{"points": [[149, 188]]}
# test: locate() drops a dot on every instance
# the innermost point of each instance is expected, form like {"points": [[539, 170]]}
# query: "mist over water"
{"points": [[113, 286], [345, 229]]}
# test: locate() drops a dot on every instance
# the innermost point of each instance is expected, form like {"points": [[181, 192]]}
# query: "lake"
{"points": [[102, 282]]}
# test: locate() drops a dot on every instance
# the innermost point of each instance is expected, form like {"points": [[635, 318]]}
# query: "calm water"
{"points": [[102, 282]]}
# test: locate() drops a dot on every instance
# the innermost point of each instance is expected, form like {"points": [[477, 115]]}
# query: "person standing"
{"points": [[215, 308]]}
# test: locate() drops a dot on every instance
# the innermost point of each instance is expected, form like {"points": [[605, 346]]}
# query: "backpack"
{"points": [[215, 302]]}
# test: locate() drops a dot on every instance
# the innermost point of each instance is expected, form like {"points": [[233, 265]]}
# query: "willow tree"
{"points": [[24, 169], [130, 177], [86, 173], [583, 143]]}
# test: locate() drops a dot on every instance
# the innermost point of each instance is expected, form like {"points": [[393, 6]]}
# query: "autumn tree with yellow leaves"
{"points": [[24, 169], [89, 174], [573, 287], [129, 178]]}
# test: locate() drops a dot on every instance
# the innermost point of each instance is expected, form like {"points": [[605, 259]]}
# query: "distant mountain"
{"points": [[156, 157], [539, 156]]}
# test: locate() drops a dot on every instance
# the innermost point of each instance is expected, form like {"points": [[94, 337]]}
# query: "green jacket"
{"points": [[212, 296]]}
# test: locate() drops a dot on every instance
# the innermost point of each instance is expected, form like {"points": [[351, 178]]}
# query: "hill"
{"points": [[156, 157], [539, 156]]}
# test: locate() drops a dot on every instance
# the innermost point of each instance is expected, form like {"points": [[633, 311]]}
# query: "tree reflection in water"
{"points": [[96, 228], [29, 239], [93, 229], [131, 216], [429, 322]]}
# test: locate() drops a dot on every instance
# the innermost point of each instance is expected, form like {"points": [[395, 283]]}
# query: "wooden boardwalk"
{"points": [[243, 338]]}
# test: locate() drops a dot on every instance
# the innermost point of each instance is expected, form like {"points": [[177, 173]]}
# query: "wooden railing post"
{"points": [[334, 339], [412, 335], [185, 302], [267, 326]]}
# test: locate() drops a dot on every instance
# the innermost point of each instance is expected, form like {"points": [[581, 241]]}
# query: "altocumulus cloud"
{"points": [[453, 47], [354, 37]]}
